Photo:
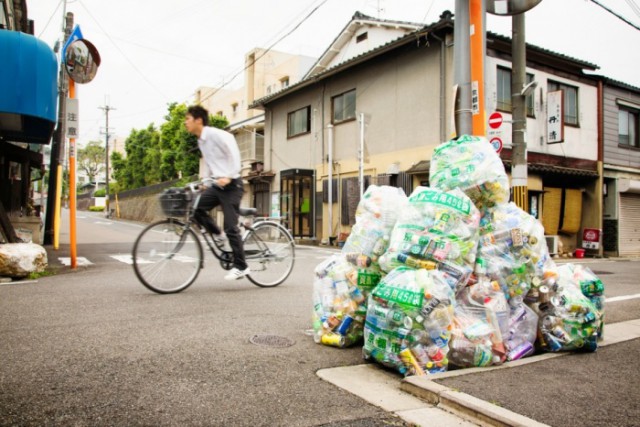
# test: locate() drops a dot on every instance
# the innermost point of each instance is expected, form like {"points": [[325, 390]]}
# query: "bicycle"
{"points": [[168, 255]]}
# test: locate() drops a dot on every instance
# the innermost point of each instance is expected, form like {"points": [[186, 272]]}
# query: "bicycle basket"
{"points": [[174, 201]]}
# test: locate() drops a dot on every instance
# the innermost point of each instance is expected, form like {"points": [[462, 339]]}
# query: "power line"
{"points": [[616, 15], [265, 51], [634, 7], [50, 18], [122, 53]]}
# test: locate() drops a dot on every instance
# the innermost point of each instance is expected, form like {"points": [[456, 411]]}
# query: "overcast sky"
{"points": [[159, 51]]}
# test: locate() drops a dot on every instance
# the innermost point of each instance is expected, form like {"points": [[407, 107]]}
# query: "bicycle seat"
{"points": [[248, 211]]}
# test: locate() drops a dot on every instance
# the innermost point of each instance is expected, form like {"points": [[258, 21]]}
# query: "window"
{"points": [[234, 107], [628, 127], [284, 82], [504, 92], [344, 106], [299, 122], [504, 89], [362, 37], [570, 101]]}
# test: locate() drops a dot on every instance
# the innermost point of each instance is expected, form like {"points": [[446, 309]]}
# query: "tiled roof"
{"points": [[446, 21], [534, 48]]}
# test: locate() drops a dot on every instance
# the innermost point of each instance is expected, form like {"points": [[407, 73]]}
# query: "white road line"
{"points": [[79, 261], [123, 258], [127, 259], [622, 298]]}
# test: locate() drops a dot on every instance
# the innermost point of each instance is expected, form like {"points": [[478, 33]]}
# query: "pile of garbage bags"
{"points": [[453, 275]]}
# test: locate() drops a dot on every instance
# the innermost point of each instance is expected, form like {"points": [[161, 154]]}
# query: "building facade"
{"points": [[265, 72], [620, 124], [28, 114], [380, 114]]}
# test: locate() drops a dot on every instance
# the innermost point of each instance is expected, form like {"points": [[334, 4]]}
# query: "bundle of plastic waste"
{"points": [[435, 230], [471, 164], [481, 323], [568, 319], [376, 215], [512, 250], [408, 321]]}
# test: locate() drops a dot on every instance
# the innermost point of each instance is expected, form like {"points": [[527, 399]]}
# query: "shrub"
{"points": [[100, 193], [96, 208]]}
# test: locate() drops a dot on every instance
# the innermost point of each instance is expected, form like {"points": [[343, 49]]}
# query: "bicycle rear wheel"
{"points": [[167, 257], [270, 253]]}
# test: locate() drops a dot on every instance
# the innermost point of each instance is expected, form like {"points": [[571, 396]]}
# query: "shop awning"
{"points": [[28, 88]]}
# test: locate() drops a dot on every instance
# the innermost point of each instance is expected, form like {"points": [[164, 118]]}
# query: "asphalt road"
{"points": [[94, 347]]}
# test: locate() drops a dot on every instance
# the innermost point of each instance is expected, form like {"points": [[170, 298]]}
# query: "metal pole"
{"points": [[106, 162], [330, 186], [462, 69], [361, 159], [57, 145], [519, 114], [478, 44], [106, 109], [72, 189]]}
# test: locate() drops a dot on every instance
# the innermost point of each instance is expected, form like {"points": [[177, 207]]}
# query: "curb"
{"points": [[464, 405], [485, 413]]}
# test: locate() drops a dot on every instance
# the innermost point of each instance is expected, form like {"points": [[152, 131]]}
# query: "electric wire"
{"points": [[622, 18], [265, 51], [121, 52], [50, 18], [634, 7]]}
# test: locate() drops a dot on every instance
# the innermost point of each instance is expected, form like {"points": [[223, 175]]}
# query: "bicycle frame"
{"points": [[175, 243]]}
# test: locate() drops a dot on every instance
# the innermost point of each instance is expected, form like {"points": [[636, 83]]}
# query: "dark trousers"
{"points": [[229, 198]]}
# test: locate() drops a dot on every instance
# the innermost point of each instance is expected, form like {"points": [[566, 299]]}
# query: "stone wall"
{"points": [[145, 208]]}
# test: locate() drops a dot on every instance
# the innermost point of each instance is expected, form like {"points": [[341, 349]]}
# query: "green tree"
{"points": [[91, 159], [136, 170], [178, 146], [118, 170], [155, 156]]}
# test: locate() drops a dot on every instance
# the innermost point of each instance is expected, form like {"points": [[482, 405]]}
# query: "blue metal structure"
{"points": [[28, 88]]}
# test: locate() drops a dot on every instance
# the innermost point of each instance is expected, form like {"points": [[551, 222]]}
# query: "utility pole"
{"points": [[519, 114], [462, 69], [478, 48], [519, 92], [57, 146], [106, 110]]}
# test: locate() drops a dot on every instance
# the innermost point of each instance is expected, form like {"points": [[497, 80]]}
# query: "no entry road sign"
{"points": [[495, 120]]}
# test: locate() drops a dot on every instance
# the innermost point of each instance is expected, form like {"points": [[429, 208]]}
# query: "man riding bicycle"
{"points": [[222, 169]]}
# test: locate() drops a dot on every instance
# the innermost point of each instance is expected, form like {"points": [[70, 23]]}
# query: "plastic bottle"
{"points": [[523, 349], [413, 262], [358, 259]]}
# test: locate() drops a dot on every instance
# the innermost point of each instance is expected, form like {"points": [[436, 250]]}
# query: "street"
{"points": [[94, 347]]}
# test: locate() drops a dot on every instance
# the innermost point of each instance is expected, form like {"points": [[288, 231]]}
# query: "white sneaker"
{"points": [[235, 274]]}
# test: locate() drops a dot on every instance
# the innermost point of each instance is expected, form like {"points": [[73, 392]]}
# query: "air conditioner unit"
{"points": [[552, 244]]}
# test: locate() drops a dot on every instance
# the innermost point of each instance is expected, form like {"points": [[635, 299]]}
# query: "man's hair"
{"points": [[199, 112]]}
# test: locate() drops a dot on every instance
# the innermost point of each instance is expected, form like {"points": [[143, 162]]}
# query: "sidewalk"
{"points": [[556, 389]]}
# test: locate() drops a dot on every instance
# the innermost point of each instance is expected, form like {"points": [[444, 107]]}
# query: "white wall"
{"points": [[580, 142]]}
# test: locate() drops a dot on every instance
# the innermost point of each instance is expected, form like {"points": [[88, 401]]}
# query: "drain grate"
{"points": [[271, 341], [599, 273]]}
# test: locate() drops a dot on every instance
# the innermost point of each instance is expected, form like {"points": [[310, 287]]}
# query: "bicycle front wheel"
{"points": [[167, 256], [270, 253]]}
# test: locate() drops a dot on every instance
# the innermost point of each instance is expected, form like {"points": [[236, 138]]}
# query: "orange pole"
{"points": [[478, 52], [72, 189]]}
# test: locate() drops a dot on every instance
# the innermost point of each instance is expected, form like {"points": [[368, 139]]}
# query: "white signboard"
{"points": [[73, 111], [475, 98], [555, 117]]}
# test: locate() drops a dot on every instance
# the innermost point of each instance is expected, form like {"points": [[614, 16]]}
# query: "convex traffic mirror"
{"points": [[81, 61]]}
